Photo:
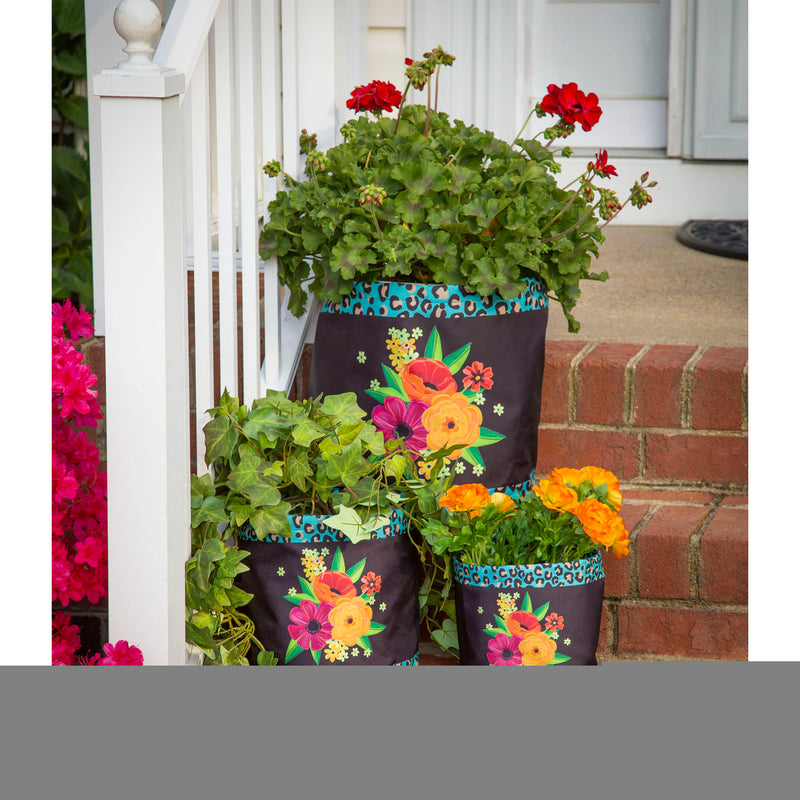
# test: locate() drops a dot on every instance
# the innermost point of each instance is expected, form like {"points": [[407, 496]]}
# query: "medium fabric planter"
{"points": [[534, 614], [437, 365], [321, 599]]}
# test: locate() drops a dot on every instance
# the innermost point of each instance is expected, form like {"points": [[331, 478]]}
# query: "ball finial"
{"points": [[138, 22]]}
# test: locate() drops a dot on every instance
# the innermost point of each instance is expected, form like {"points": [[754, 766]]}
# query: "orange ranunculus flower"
{"points": [[503, 502], [620, 548], [451, 420], [333, 587], [568, 475], [424, 378], [537, 649], [620, 543], [599, 476], [521, 623], [556, 495], [470, 497], [598, 521], [350, 619]]}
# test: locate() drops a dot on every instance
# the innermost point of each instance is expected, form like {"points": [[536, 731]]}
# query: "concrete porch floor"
{"points": [[659, 292]]}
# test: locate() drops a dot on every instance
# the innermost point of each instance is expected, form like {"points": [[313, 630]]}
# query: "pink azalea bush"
{"points": [[79, 502]]}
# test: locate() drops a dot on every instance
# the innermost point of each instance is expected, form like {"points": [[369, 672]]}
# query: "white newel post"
{"points": [[147, 376]]}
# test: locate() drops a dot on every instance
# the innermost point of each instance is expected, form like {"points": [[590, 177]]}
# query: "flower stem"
{"points": [[572, 227], [525, 125]]}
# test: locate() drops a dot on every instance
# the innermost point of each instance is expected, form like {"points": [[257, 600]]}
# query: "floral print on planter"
{"points": [[321, 599], [436, 364], [538, 614]]}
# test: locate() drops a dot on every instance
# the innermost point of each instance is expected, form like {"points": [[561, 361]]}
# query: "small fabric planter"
{"points": [[437, 365], [534, 614], [321, 599]]}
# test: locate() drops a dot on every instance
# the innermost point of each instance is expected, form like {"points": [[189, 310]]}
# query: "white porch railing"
{"points": [[183, 133]]}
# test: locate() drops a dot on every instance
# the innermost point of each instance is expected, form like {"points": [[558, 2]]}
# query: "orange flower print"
{"points": [[470, 497], [556, 495], [350, 619], [370, 583], [424, 378], [537, 649], [521, 623], [333, 587], [451, 420], [553, 622], [477, 377]]}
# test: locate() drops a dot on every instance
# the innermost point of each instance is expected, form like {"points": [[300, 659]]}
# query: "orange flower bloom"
{"points": [[350, 619], [424, 378], [598, 521], [521, 623], [470, 497], [556, 495], [451, 420], [619, 547], [568, 475], [333, 587], [599, 476], [503, 502], [537, 649]]}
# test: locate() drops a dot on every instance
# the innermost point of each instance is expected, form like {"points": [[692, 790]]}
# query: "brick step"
{"points": [[649, 413], [681, 594]]}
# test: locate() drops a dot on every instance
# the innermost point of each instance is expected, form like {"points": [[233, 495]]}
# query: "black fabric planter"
{"points": [[321, 599], [529, 614], [437, 366]]}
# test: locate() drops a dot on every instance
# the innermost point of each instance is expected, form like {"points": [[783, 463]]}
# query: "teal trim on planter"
{"points": [[522, 576], [436, 300], [311, 528], [411, 662]]}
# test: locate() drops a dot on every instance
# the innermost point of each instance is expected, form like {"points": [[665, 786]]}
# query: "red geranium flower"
{"points": [[572, 105], [376, 97], [477, 377], [601, 165]]}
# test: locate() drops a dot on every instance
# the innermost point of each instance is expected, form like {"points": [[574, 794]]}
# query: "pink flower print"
{"points": [[504, 650], [311, 629], [553, 622], [396, 420]]}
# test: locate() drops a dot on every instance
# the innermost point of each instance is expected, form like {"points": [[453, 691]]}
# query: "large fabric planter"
{"points": [[437, 365], [321, 599], [535, 614]]}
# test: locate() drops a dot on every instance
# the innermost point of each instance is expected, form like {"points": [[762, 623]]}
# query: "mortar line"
{"points": [[687, 386], [572, 379], [629, 385], [695, 540], [744, 398]]}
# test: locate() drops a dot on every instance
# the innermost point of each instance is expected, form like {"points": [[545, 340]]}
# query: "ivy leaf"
{"points": [[272, 520], [343, 407], [254, 477], [221, 438], [348, 466], [307, 432], [266, 658], [348, 521]]}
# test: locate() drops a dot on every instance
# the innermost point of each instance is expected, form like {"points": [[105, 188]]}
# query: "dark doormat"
{"points": [[718, 236]]}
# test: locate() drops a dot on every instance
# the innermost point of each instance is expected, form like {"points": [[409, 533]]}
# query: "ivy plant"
{"points": [[278, 458]]}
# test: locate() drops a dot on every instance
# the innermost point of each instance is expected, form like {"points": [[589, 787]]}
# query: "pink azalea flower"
{"points": [[121, 654], [396, 420], [91, 551]]}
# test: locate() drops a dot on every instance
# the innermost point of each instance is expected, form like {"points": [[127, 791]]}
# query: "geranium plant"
{"points": [[426, 199], [566, 516], [281, 457]]}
